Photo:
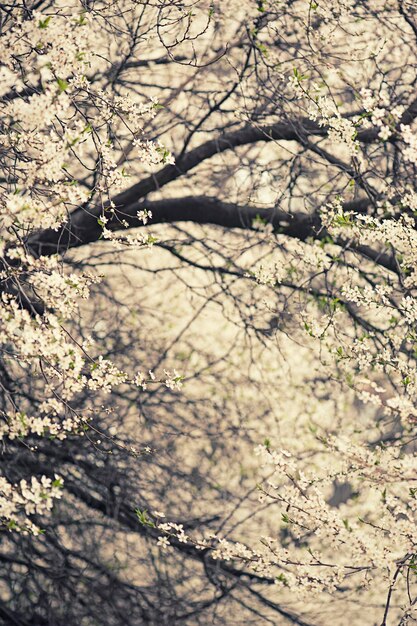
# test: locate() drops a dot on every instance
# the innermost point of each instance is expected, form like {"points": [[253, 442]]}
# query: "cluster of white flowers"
{"points": [[410, 139], [380, 112], [356, 549], [47, 139], [341, 130], [57, 43], [299, 260], [141, 240], [141, 380], [135, 113], [398, 234], [105, 375], [144, 216], [112, 176], [174, 529], [57, 290], [173, 380], [265, 275], [367, 295], [153, 152], [18, 501]]}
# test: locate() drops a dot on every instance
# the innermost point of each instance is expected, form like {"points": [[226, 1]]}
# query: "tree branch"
{"points": [[197, 209]]}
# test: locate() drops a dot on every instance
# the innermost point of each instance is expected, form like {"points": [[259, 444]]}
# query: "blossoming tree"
{"points": [[221, 194]]}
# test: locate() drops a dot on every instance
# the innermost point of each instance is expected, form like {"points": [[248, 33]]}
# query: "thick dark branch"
{"points": [[82, 227], [196, 209], [207, 210]]}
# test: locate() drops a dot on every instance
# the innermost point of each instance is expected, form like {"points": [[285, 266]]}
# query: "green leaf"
{"points": [[282, 579], [44, 23], [81, 20], [165, 154], [143, 518], [62, 84], [343, 220]]}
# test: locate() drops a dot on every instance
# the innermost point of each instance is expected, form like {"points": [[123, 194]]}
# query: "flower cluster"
{"points": [[56, 154], [18, 501]]}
